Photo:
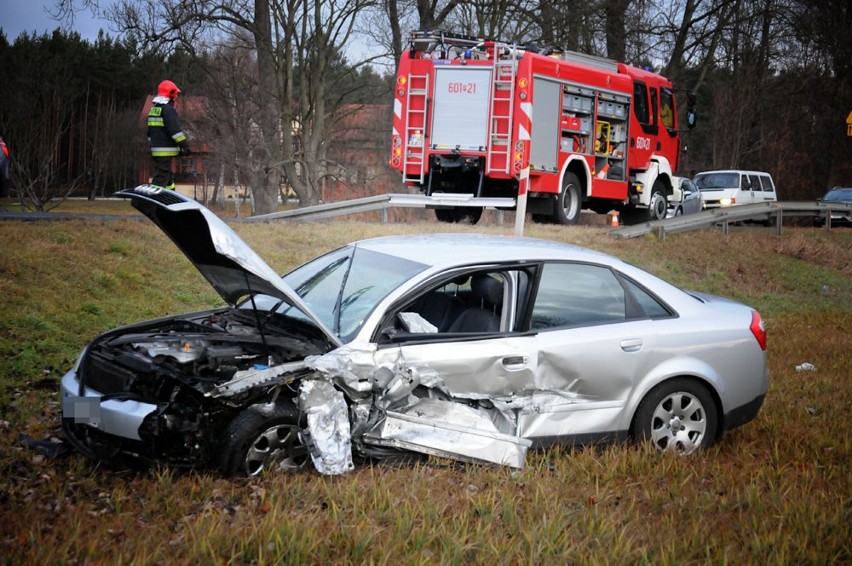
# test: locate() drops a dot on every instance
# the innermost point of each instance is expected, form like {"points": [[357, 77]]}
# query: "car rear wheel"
{"points": [[677, 416], [258, 440]]}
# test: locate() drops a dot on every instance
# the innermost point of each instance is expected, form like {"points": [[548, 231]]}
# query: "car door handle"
{"points": [[515, 363], [631, 345]]}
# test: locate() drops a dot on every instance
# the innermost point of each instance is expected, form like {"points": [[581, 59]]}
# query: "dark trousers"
{"points": [[163, 173]]}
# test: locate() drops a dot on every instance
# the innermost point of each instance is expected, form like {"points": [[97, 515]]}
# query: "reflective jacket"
{"points": [[164, 133]]}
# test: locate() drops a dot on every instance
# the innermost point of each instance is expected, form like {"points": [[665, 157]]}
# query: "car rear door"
{"points": [[594, 342]]}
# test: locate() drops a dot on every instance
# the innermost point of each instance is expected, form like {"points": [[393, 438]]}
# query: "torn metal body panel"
{"points": [[451, 430], [258, 376], [478, 369], [327, 431]]}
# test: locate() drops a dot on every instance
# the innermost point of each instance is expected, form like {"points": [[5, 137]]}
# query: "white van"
{"points": [[732, 187]]}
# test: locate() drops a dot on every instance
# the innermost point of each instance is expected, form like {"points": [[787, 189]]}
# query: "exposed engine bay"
{"points": [[199, 370]]}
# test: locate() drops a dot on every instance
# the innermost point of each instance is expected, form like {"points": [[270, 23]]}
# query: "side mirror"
{"points": [[390, 333], [691, 117]]}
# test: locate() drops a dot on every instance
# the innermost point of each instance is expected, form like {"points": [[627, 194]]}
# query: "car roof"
{"points": [[746, 171], [447, 250]]}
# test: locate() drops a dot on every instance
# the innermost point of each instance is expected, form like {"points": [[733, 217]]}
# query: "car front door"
{"points": [[458, 342]]}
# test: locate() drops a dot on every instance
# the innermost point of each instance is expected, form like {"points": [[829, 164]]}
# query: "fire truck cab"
{"points": [[566, 130]]}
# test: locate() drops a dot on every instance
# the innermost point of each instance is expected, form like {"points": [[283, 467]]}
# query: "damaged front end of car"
{"points": [[165, 391], [206, 391]]}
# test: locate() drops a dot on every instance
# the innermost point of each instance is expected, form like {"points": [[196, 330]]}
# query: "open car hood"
{"points": [[222, 257]]}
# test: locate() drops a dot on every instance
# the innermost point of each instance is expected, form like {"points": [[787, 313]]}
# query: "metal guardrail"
{"points": [[383, 202], [772, 213]]}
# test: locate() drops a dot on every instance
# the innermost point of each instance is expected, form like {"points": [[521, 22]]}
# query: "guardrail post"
{"points": [[779, 222]]}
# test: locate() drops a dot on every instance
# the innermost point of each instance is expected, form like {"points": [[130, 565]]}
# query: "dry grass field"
{"points": [[774, 491]]}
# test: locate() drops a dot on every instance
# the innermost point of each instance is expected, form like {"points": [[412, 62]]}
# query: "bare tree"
{"points": [[294, 96], [39, 159]]}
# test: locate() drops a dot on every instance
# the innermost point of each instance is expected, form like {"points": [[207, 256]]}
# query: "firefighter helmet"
{"points": [[168, 89]]}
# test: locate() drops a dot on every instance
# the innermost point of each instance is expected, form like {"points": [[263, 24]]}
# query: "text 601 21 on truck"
{"points": [[567, 131]]}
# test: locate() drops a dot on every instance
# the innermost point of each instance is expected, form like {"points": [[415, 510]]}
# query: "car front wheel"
{"points": [[658, 206], [259, 440], [677, 416]]}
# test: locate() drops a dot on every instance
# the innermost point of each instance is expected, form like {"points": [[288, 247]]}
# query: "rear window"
{"points": [[767, 183]]}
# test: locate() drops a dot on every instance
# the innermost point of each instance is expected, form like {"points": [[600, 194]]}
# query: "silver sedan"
{"points": [[464, 346]]}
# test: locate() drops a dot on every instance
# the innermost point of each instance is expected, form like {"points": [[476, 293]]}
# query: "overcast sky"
{"points": [[18, 16]]}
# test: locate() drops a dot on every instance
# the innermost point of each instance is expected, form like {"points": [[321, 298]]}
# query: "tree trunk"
{"points": [[614, 11], [265, 182]]}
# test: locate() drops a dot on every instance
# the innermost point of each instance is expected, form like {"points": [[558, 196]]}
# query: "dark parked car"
{"points": [[685, 199], [5, 169], [465, 346], [838, 218]]}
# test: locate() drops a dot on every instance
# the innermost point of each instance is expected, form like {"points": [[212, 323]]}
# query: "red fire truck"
{"points": [[565, 130]]}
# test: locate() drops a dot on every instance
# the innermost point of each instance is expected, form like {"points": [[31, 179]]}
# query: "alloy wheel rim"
{"points": [[279, 446], [679, 423]]}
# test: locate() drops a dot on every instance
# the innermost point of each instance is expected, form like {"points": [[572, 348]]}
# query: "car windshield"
{"points": [[343, 287], [838, 195], [707, 181]]}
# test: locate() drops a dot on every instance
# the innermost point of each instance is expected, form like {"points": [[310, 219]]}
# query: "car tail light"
{"points": [[758, 329]]}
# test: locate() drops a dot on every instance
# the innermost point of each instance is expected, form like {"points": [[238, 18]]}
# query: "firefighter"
{"points": [[165, 135]]}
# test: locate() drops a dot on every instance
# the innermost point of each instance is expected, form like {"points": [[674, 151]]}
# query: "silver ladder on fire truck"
{"points": [[441, 45]]}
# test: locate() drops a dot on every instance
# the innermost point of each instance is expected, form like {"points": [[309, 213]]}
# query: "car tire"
{"points": [[568, 202], [678, 415], [258, 440]]}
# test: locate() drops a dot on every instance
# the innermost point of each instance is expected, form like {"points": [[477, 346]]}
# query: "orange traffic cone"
{"points": [[614, 221]]}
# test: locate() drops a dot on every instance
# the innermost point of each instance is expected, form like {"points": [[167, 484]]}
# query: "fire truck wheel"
{"points": [[567, 210], [658, 206], [445, 214], [465, 215], [469, 215]]}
